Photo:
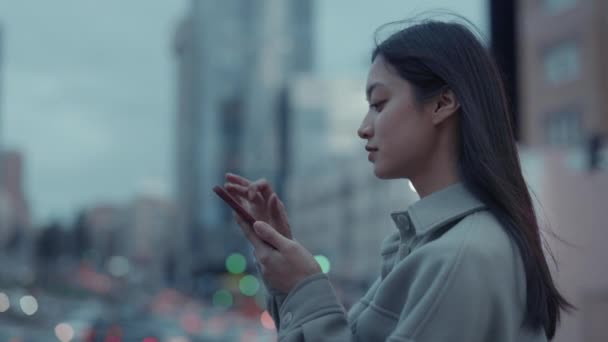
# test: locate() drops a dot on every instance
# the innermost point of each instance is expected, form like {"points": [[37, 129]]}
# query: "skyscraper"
{"points": [[283, 49], [186, 149], [233, 60], [3, 195], [1, 93]]}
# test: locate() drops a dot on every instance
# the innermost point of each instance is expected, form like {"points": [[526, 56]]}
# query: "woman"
{"points": [[466, 262]]}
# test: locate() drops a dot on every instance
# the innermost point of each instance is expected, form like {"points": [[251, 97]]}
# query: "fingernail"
{"points": [[258, 227]]}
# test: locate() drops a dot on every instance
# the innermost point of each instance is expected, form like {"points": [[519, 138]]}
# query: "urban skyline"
{"points": [[100, 95]]}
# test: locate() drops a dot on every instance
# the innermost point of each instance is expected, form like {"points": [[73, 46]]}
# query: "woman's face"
{"points": [[398, 129]]}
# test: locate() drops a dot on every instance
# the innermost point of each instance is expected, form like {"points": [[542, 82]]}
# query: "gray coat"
{"points": [[449, 273]]}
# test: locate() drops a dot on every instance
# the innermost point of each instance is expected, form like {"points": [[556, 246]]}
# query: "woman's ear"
{"points": [[446, 105]]}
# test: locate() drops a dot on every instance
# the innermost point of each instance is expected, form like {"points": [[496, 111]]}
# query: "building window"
{"points": [[562, 62], [556, 6], [564, 128]]}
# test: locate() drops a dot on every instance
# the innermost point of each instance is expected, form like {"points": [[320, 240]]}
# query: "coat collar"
{"points": [[437, 209]]}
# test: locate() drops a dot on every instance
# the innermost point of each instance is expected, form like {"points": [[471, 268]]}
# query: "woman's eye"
{"points": [[377, 106]]}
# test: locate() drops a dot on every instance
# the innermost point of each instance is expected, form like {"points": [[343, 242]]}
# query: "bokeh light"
{"points": [[178, 339], [323, 262], [249, 285], [223, 299], [118, 266], [150, 339], [5, 303], [29, 305], [236, 263], [114, 334], [64, 332], [267, 321], [191, 322]]}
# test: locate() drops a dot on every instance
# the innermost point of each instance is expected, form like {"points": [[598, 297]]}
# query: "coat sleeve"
{"points": [[447, 294], [312, 312]]}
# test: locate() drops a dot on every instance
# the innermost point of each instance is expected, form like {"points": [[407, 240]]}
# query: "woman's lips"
{"points": [[370, 156]]}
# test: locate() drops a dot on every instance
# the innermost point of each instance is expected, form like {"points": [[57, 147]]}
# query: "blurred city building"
{"points": [[233, 60], [211, 50], [1, 83], [4, 202], [106, 226], [564, 76], [563, 81], [151, 241], [136, 242], [283, 49], [15, 220]]}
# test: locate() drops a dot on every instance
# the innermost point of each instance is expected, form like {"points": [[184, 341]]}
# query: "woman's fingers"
{"points": [[231, 177], [236, 189], [256, 198], [239, 193], [238, 183], [280, 215], [249, 233], [245, 194], [263, 187]]}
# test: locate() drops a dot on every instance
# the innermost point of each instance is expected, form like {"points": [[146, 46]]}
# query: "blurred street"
{"points": [[69, 310]]}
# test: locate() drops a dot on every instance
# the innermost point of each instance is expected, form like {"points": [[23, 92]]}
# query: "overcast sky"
{"points": [[88, 88]]}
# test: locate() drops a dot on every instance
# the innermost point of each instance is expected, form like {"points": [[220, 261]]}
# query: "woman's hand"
{"points": [[260, 201], [283, 261]]}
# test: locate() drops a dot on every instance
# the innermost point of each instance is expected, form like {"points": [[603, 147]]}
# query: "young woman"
{"points": [[466, 262]]}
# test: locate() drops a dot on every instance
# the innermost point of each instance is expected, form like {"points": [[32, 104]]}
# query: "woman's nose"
{"points": [[365, 131]]}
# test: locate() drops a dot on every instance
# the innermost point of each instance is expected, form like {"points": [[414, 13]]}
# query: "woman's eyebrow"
{"points": [[370, 88]]}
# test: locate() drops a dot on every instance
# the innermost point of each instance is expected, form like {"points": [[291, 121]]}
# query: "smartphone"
{"points": [[234, 204]]}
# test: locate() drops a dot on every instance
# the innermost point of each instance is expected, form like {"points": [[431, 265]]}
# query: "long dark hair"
{"points": [[434, 54]]}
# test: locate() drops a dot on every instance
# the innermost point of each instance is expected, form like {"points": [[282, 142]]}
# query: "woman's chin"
{"points": [[384, 173], [380, 173]]}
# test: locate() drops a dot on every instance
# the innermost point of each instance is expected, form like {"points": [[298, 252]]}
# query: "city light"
{"points": [[236, 263], [114, 334], [323, 262], [64, 332], [267, 321], [5, 303], [29, 305], [118, 266], [191, 322], [178, 339], [249, 285], [222, 298]]}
